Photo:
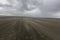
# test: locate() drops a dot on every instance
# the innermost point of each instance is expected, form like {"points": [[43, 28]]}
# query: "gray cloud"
{"points": [[51, 7], [33, 8]]}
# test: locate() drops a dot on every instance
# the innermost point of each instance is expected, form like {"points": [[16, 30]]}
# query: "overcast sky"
{"points": [[30, 8]]}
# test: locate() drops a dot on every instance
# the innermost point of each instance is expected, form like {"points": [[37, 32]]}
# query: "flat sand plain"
{"points": [[26, 28]]}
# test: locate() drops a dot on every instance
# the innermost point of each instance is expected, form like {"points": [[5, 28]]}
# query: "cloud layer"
{"points": [[30, 8]]}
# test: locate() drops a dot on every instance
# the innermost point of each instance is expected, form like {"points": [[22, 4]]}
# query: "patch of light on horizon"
{"points": [[5, 14], [57, 15]]}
